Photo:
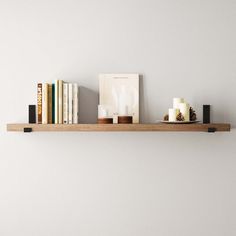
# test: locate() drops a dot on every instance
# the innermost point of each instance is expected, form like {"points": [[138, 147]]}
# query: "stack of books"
{"points": [[58, 103]]}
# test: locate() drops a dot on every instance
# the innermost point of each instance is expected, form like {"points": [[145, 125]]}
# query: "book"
{"points": [[45, 104], [60, 102], [121, 93], [65, 103], [56, 113], [39, 102], [75, 103], [70, 104], [50, 104], [53, 103]]}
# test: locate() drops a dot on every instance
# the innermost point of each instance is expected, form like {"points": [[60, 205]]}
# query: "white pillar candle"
{"points": [[173, 112], [184, 109], [177, 101]]}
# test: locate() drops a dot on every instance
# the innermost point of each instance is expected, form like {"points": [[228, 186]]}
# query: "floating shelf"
{"points": [[199, 127]]}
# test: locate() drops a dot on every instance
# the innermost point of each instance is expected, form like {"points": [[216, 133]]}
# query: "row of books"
{"points": [[58, 103]]}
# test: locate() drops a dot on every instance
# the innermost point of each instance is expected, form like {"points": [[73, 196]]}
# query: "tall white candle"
{"points": [[184, 109], [173, 112], [176, 102]]}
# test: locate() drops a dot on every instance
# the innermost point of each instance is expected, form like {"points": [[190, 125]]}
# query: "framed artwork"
{"points": [[120, 94]]}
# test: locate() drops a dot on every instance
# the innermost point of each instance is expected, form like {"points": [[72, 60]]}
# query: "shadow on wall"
{"points": [[143, 105], [142, 117], [88, 106]]}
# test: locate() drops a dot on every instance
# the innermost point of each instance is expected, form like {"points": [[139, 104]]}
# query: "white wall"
{"points": [[88, 184]]}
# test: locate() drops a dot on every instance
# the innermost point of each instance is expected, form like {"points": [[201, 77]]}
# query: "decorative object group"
{"points": [[180, 112]]}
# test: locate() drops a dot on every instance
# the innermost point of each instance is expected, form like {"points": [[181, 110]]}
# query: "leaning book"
{"points": [[121, 93]]}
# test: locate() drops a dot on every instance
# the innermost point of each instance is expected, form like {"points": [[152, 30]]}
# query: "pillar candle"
{"points": [[173, 112], [184, 109], [176, 102]]}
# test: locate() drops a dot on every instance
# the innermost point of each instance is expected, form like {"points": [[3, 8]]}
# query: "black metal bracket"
{"points": [[211, 130], [27, 130]]}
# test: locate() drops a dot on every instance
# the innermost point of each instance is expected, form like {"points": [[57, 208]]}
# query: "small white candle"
{"points": [[173, 112], [177, 101], [102, 111], [184, 109]]}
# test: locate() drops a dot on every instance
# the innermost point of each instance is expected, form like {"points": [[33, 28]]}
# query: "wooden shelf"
{"points": [[118, 127]]}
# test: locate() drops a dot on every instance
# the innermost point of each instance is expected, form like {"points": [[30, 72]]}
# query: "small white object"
{"points": [[177, 101], [102, 111], [173, 112], [184, 109]]}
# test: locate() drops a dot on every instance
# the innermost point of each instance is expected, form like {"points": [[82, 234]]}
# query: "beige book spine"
{"points": [[60, 102], [75, 104], [70, 102], [56, 102]]}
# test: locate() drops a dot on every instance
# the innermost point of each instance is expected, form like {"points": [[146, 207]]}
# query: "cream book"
{"points": [[121, 93], [56, 117], [75, 104], [70, 103], [45, 104], [60, 102], [65, 103]]}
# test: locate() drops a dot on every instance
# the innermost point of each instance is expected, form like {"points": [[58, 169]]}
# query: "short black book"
{"points": [[32, 114]]}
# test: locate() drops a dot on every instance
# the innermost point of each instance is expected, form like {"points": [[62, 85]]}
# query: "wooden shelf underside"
{"points": [[199, 127]]}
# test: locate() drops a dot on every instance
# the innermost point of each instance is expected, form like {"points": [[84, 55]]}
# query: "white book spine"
{"points": [[75, 104], [70, 103], [60, 102], [65, 103], [56, 102], [45, 103]]}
